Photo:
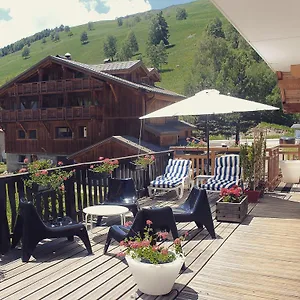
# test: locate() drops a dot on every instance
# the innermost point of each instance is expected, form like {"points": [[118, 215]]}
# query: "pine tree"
{"points": [[157, 54], [159, 30], [132, 41], [26, 52], [84, 38], [110, 47]]}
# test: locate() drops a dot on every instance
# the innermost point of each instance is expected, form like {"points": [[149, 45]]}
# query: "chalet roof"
{"points": [[171, 127], [117, 66], [144, 147], [94, 71]]}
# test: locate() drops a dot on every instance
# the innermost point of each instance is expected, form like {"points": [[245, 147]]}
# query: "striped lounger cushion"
{"points": [[227, 173], [176, 170]]}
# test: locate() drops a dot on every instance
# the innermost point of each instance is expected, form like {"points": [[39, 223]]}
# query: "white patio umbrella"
{"points": [[208, 102]]}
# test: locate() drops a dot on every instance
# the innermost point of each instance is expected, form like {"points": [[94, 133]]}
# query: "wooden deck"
{"points": [[258, 259]]}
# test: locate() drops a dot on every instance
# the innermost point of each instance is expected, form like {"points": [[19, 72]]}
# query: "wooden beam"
{"points": [[113, 91], [47, 129], [295, 71], [19, 123]]}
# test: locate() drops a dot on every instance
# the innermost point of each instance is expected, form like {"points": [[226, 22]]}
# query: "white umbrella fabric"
{"points": [[208, 102]]}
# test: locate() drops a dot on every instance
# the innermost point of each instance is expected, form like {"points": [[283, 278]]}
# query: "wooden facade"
{"points": [[289, 84], [60, 106]]}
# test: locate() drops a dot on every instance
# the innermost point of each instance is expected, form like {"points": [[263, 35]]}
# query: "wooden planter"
{"points": [[232, 212]]}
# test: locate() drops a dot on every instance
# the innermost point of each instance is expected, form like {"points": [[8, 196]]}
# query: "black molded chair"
{"points": [[30, 227], [121, 191], [162, 219], [196, 208]]}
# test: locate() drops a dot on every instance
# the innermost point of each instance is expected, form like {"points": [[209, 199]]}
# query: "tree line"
{"points": [[225, 61]]}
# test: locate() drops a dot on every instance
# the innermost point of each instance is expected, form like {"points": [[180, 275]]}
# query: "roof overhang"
{"points": [[272, 28]]}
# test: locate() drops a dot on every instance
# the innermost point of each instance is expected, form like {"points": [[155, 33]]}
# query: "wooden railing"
{"points": [[199, 160], [45, 114], [198, 156], [80, 191], [44, 87]]}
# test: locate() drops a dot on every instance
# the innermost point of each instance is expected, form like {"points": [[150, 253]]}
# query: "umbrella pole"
{"points": [[207, 141]]}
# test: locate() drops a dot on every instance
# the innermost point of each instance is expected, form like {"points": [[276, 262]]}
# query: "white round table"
{"points": [[104, 210]]}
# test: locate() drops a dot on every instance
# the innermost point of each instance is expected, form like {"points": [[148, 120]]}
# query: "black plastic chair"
{"points": [[30, 227], [121, 191], [162, 219], [196, 208]]}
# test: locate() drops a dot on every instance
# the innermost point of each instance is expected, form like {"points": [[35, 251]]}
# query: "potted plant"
{"points": [[105, 167], [232, 206], [142, 162], [153, 267], [41, 177], [193, 143], [252, 158]]}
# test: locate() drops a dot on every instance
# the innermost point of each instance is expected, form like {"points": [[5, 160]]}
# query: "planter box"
{"points": [[231, 212]]}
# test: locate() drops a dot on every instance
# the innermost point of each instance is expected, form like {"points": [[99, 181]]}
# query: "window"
{"points": [[63, 133], [21, 158], [82, 132], [32, 135], [21, 134]]}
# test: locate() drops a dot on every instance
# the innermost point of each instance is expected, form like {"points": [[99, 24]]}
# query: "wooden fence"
{"points": [[81, 190]]}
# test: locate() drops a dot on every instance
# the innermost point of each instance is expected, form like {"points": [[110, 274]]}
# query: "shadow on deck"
{"points": [[258, 259]]}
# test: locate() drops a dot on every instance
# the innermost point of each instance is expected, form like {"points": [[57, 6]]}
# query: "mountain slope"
{"points": [[184, 35]]}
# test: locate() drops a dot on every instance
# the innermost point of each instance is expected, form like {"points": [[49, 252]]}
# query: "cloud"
{"points": [[31, 16]]}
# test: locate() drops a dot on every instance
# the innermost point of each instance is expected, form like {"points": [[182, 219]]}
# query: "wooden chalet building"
{"points": [[59, 107]]}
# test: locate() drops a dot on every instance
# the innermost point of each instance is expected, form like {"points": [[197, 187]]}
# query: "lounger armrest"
{"points": [[200, 178]]}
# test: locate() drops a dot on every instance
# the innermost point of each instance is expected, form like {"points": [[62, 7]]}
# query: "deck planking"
{"points": [[255, 260]]}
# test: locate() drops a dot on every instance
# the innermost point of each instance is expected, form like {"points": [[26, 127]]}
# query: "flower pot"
{"points": [[231, 212], [155, 279], [253, 196], [135, 167]]}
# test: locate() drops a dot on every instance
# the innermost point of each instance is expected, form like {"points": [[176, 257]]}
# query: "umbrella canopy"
{"points": [[208, 102]]}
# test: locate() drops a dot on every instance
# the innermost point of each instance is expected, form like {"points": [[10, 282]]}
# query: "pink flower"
{"points": [[155, 248], [186, 234], [129, 223], [22, 170], [92, 167], [73, 170], [65, 178], [177, 241], [163, 234], [115, 162], [100, 158], [44, 172], [145, 243], [123, 243], [149, 222], [121, 254], [26, 161], [60, 163], [164, 251], [153, 157], [37, 174]]}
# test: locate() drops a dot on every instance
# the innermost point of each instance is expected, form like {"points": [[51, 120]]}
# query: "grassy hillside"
{"points": [[184, 35]]}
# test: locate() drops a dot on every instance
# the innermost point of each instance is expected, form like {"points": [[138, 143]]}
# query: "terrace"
{"points": [[257, 259]]}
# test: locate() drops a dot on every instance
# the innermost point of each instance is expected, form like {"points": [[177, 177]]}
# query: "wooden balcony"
{"points": [[47, 114], [54, 86]]}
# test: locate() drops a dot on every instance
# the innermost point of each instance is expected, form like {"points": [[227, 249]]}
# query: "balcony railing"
{"points": [[44, 87], [46, 114]]}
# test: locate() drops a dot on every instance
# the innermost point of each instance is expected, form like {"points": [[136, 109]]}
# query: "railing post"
{"points": [[4, 229], [70, 198]]}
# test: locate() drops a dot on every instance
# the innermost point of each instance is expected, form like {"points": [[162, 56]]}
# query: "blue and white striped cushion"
{"points": [[227, 167], [227, 173], [175, 171]]}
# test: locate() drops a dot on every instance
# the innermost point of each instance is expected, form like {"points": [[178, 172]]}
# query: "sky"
{"points": [[22, 18]]}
